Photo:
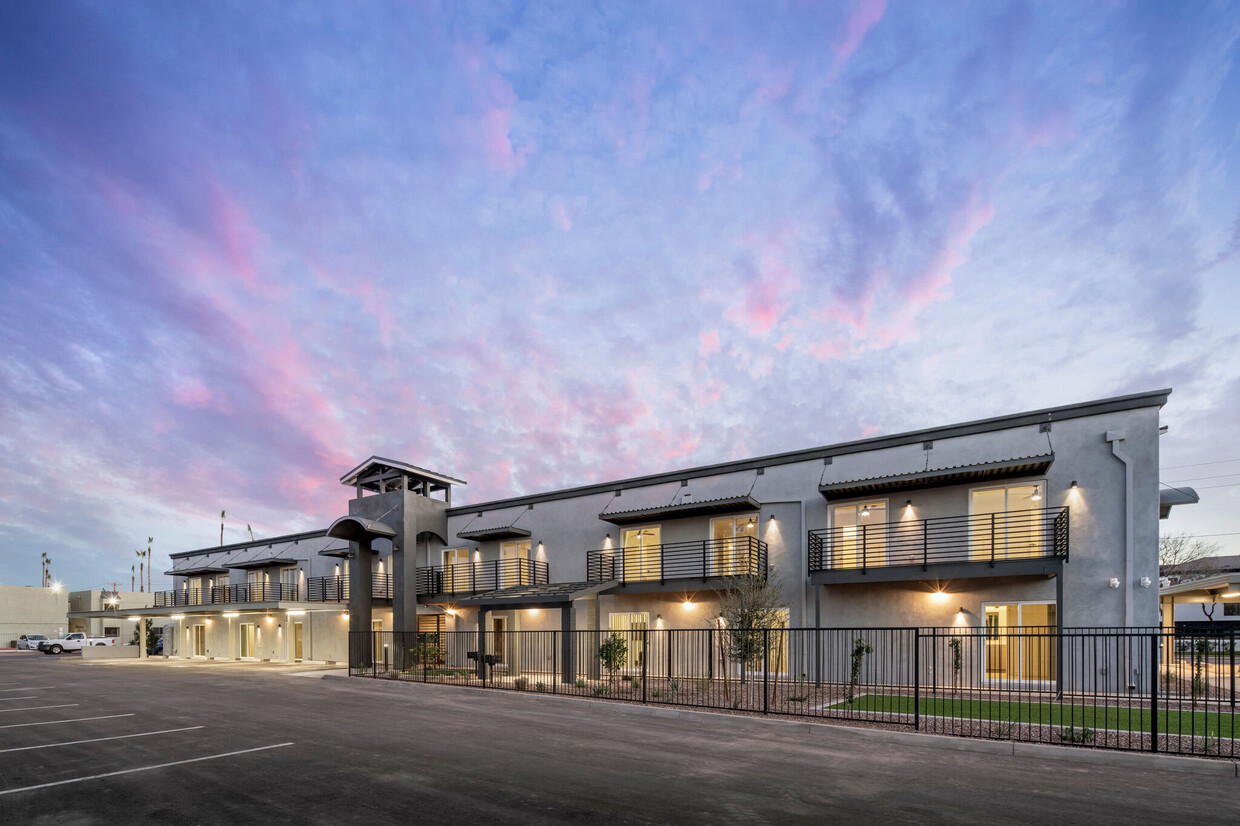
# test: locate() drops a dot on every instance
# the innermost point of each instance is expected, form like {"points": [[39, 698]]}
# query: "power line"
{"points": [[1208, 487], [1199, 464], [1220, 476]]}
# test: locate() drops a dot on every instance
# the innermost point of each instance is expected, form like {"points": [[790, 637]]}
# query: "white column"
{"points": [[142, 637]]}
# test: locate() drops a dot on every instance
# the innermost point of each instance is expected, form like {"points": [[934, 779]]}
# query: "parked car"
{"points": [[157, 648], [73, 642], [29, 642]]}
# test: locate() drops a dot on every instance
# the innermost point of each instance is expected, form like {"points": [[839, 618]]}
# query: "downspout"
{"points": [[1115, 437]]}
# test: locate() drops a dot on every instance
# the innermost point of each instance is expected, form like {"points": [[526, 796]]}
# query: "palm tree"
{"points": [[131, 572], [47, 576], [221, 529], [150, 560], [141, 569], [43, 561]]}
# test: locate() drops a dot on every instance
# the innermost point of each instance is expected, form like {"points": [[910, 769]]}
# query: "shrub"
{"points": [[521, 683], [1071, 734], [860, 649], [600, 690], [674, 686], [580, 683], [613, 654], [540, 686]]}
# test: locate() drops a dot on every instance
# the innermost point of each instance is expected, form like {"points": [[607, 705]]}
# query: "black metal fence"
{"points": [[989, 537], [1127, 689], [475, 577], [227, 594], [692, 559], [336, 588]]}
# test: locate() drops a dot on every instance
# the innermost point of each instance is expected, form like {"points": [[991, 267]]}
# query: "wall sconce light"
{"points": [[450, 612], [771, 518], [688, 603], [1114, 583], [938, 596], [962, 611], [1231, 594], [865, 510], [908, 503], [231, 614], [1037, 493], [1145, 582], [1074, 486]]}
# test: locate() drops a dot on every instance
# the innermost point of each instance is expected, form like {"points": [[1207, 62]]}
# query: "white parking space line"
{"points": [[74, 720], [142, 769], [29, 688], [36, 708], [101, 739], [10, 699]]}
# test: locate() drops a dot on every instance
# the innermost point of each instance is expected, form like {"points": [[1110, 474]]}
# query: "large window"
{"points": [[734, 537], [513, 558], [859, 538], [1020, 641], [1006, 522], [288, 581], [642, 553], [248, 636]]}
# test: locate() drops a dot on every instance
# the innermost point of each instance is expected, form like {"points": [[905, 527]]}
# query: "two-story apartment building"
{"points": [[1043, 518]]}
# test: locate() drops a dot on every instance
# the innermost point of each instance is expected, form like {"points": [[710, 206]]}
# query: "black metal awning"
{"points": [[265, 562], [195, 570], [498, 532], [938, 477], [730, 504], [534, 596]]}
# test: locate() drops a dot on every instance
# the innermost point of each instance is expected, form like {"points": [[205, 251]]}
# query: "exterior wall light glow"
{"points": [[865, 510], [177, 616], [534, 612], [939, 596], [232, 614], [908, 503], [687, 603], [450, 612], [296, 613], [133, 619], [1037, 493], [1231, 594], [1074, 486]]}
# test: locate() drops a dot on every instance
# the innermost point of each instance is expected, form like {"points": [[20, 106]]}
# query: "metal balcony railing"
{"points": [[698, 559], [981, 538], [228, 594], [336, 588], [476, 577]]}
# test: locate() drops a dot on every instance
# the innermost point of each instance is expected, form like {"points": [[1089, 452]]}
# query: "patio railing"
{"points": [[695, 559]]}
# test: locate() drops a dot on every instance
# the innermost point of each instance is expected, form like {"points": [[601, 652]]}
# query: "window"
{"points": [[859, 535], [734, 540], [288, 583], [514, 567], [642, 553], [111, 630], [1005, 522], [1231, 609]]}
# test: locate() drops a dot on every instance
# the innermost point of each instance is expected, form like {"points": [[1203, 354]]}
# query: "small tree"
{"points": [[860, 649], [1186, 556], [955, 644], [1201, 648], [150, 634], [613, 654]]}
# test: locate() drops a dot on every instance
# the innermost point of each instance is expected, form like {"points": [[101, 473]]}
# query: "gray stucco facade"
{"points": [[1079, 533]]}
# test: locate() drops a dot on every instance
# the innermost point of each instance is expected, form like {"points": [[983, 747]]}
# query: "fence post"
{"points": [[556, 676], [916, 679], [766, 667], [1154, 691], [645, 658]]}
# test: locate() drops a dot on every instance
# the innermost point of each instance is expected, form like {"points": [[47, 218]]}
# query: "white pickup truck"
{"points": [[73, 642]]}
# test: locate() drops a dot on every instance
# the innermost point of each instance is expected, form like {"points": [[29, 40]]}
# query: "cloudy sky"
{"points": [[244, 247]]}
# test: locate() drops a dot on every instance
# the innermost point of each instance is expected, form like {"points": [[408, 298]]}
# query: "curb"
{"points": [[1034, 751]]}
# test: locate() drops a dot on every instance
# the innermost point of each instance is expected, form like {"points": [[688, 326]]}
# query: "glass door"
{"points": [[455, 570], [1006, 522], [288, 584], [200, 640], [297, 641], [1020, 642], [514, 563], [734, 540], [630, 627], [859, 535], [247, 640], [642, 553]]}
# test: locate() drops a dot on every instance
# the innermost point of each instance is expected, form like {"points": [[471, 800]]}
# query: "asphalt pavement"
{"points": [[161, 742]]}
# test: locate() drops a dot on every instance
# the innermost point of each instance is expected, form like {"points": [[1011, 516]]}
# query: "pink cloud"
{"points": [[559, 216], [768, 292], [865, 15], [192, 393], [708, 343]]}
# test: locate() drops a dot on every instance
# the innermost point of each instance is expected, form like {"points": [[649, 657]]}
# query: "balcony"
{"points": [[698, 559], [478, 577], [336, 588], [991, 544], [227, 594]]}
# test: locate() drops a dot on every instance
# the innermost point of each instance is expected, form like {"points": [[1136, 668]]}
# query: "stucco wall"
{"points": [[31, 610]]}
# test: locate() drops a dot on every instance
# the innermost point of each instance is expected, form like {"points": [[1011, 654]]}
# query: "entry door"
{"points": [[1020, 645], [200, 640], [499, 640], [859, 535], [297, 641], [255, 581], [376, 628], [288, 583], [630, 626], [247, 640], [514, 563], [455, 570], [642, 553]]}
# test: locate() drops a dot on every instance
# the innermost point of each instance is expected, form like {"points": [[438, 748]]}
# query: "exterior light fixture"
{"points": [[450, 612], [1145, 582], [1231, 594], [269, 618], [865, 510], [1114, 583], [1074, 485], [231, 614], [1037, 493], [177, 616], [771, 518], [939, 596], [133, 619], [908, 503], [962, 611], [687, 603], [533, 612], [296, 613], [344, 615]]}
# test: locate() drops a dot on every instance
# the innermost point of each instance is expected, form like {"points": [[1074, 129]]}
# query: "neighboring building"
{"points": [[111, 612], [27, 609], [1045, 518]]}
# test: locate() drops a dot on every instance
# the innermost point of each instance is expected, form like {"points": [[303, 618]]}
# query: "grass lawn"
{"points": [[1199, 723]]}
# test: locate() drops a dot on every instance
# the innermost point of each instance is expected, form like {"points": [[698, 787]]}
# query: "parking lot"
{"points": [[86, 742]]}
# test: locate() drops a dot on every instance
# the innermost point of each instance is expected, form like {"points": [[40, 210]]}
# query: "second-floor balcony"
{"points": [[917, 546], [227, 594], [695, 559], [336, 588], [478, 577]]}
